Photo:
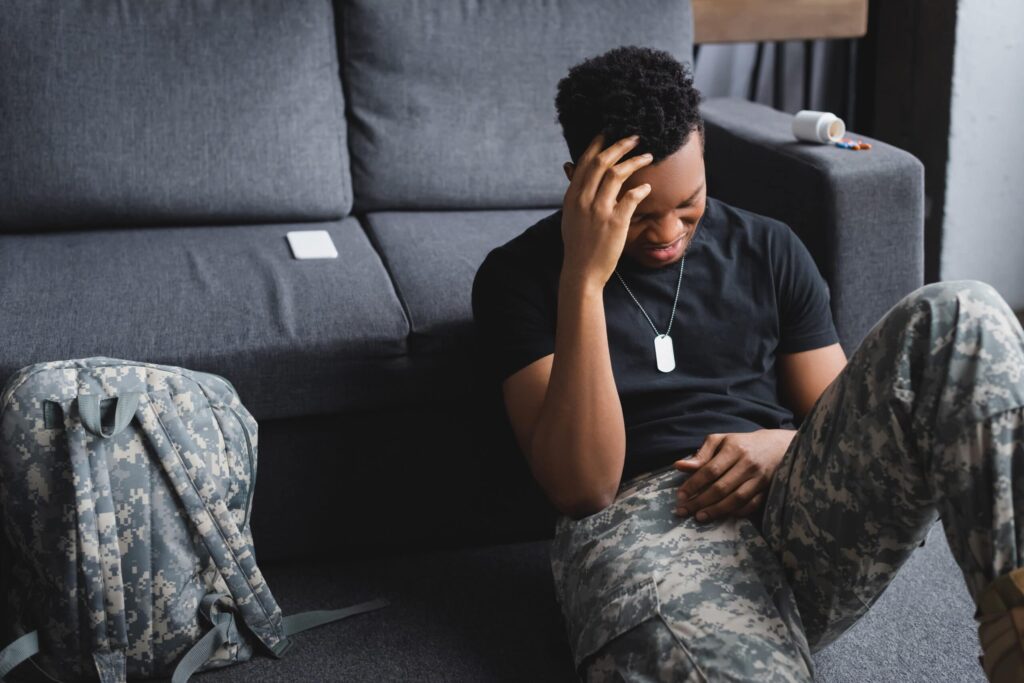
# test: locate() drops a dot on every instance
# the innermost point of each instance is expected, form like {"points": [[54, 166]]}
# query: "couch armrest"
{"points": [[860, 213]]}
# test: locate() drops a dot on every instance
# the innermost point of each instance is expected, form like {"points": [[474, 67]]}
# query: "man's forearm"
{"points": [[579, 442]]}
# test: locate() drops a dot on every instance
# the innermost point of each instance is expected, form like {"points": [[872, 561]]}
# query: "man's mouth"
{"points": [[667, 252], [663, 249]]}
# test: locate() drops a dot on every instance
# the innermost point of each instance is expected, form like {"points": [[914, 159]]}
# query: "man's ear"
{"points": [[569, 169]]}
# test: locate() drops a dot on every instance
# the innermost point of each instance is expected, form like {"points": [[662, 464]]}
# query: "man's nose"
{"points": [[665, 229]]}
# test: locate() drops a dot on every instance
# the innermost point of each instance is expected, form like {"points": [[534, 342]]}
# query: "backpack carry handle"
{"points": [[89, 411]]}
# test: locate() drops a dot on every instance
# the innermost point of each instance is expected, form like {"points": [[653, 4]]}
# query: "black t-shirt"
{"points": [[749, 289]]}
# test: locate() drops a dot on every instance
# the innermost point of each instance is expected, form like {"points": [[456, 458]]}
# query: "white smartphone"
{"points": [[308, 244]]}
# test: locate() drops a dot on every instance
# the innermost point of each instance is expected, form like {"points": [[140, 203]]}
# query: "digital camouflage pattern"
{"points": [[645, 592], [110, 545], [925, 421]]}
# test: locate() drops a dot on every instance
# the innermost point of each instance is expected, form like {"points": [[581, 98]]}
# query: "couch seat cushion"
{"points": [[433, 257], [295, 337]]}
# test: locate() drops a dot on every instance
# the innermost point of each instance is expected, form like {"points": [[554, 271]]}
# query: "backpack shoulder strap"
{"points": [[303, 621], [180, 457], [17, 652], [99, 554], [206, 646]]}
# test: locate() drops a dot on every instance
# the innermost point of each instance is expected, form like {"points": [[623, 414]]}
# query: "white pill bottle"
{"points": [[818, 126]]}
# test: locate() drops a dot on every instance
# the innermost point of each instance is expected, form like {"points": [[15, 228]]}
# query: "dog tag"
{"points": [[664, 353]]}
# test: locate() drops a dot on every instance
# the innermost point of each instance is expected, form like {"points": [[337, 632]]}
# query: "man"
{"points": [[653, 347]]}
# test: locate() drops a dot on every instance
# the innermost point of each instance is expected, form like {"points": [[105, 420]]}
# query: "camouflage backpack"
{"points": [[125, 496]]}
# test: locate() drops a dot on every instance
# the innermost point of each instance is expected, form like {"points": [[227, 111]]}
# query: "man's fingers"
{"points": [[703, 453], [613, 180], [595, 146], [592, 150], [717, 457], [731, 504], [728, 482], [710, 445], [751, 507], [627, 205], [591, 170]]}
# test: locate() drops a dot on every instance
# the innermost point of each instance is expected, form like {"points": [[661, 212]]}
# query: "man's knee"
{"points": [[971, 340], [951, 305], [956, 293]]}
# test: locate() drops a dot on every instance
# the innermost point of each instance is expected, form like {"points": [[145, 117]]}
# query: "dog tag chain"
{"points": [[663, 351]]}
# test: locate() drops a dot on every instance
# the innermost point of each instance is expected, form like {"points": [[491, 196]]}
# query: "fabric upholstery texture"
{"points": [[861, 213], [183, 112], [294, 337], [432, 257], [477, 80]]}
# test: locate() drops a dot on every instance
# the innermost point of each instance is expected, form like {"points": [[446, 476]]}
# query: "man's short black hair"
{"points": [[629, 90]]}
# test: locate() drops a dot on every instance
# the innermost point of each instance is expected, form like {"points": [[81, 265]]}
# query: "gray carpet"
{"points": [[489, 614]]}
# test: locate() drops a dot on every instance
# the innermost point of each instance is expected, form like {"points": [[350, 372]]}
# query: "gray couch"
{"points": [[152, 158]]}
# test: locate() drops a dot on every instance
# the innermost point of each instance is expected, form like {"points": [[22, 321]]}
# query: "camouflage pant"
{"points": [[925, 421]]}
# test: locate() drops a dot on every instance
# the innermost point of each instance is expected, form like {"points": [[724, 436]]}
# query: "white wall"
{"points": [[983, 236]]}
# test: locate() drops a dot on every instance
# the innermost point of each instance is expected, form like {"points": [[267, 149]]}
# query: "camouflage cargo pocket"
{"points": [[577, 539], [605, 591], [607, 616]]}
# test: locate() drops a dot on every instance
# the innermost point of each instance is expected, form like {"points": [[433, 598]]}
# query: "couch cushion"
{"points": [[452, 104], [295, 337], [433, 257], [181, 112]]}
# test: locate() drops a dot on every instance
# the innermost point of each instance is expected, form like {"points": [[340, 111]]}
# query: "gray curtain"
{"points": [[728, 71]]}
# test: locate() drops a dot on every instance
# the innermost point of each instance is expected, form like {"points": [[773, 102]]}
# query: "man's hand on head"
{"points": [[595, 222], [730, 473]]}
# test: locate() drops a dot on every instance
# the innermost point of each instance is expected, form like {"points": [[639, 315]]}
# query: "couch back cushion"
{"points": [[452, 102], [177, 111]]}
